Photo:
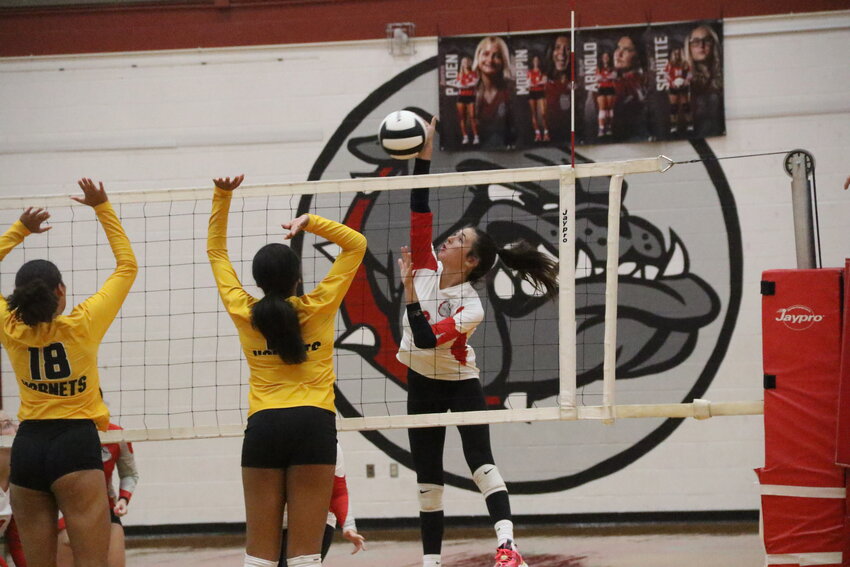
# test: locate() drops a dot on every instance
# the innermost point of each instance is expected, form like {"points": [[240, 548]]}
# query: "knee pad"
{"points": [[674, 109], [686, 107], [430, 497], [488, 480]]}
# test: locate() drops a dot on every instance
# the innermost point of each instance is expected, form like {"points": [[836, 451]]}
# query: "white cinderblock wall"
{"points": [[177, 119]]}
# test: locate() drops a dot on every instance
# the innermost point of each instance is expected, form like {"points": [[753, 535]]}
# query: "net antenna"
{"points": [[174, 355], [572, 84]]}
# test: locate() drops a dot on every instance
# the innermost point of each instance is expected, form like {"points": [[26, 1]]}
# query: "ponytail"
{"points": [[34, 300], [277, 320], [276, 270], [535, 267], [532, 265]]}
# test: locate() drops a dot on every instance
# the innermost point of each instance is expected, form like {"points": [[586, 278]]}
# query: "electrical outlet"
{"points": [[370, 471], [393, 470]]}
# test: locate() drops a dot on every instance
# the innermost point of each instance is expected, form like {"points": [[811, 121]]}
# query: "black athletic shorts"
{"points": [[536, 95], [466, 99], [46, 450], [679, 91], [283, 437], [607, 91]]}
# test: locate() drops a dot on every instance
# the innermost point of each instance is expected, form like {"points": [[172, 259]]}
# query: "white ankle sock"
{"points": [[504, 531], [431, 561], [257, 562], [305, 561]]}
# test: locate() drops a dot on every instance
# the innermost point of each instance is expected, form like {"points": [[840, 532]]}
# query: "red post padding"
{"points": [[802, 525], [801, 346], [801, 327], [842, 445], [846, 546]]}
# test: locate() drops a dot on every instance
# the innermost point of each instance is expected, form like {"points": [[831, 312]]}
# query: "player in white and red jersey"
{"points": [[467, 79], [679, 92], [8, 528], [339, 514], [537, 80], [443, 310], [120, 457], [606, 78]]}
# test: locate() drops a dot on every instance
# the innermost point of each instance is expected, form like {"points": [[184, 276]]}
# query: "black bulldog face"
{"points": [[662, 305]]}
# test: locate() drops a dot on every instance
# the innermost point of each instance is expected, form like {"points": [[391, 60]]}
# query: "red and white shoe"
{"points": [[508, 556]]}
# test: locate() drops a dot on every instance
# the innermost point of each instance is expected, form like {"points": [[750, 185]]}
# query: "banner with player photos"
{"points": [[633, 84]]}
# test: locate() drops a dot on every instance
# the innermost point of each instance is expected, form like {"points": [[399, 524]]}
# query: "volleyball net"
{"points": [[629, 307]]}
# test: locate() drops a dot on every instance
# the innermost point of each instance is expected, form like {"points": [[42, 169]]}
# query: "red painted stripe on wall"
{"points": [[226, 23]]}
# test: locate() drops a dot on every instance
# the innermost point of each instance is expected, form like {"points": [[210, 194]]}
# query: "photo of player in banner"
{"points": [[542, 63], [633, 84], [613, 80], [477, 93], [650, 83], [504, 92]]}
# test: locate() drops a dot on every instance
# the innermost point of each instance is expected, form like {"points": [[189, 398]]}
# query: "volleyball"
{"points": [[678, 82], [402, 134]]}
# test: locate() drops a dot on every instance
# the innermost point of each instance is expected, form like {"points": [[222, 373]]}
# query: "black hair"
{"points": [[533, 266], [547, 63], [34, 300], [640, 52], [277, 271]]}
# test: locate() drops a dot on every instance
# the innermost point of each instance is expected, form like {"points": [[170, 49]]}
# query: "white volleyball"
{"points": [[402, 134]]}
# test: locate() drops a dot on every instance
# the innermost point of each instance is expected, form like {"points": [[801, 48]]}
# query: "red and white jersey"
{"points": [[466, 82], [9, 531], [675, 72], [453, 313], [120, 456], [536, 80], [340, 509], [605, 77], [5, 511]]}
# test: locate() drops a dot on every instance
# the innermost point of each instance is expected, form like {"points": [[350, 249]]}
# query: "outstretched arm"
{"points": [[229, 286], [30, 222], [331, 290], [423, 334], [102, 307], [421, 219]]}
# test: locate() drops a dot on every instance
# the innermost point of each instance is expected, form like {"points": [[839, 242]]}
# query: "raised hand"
{"points": [[32, 218], [428, 149], [228, 185], [93, 195], [295, 226], [405, 267]]}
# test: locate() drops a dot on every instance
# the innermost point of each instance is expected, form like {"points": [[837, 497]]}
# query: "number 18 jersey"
{"points": [[56, 363]]}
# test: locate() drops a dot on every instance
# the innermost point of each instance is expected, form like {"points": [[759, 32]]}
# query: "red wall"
{"points": [[219, 23]]}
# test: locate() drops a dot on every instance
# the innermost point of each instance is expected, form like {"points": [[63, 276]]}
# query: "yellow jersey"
{"points": [[273, 383], [56, 363]]}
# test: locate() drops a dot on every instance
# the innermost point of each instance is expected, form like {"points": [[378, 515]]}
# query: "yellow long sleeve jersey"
{"points": [[56, 363], [274, 384]]}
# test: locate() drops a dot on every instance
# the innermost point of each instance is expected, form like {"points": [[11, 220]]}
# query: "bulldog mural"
{"points": [[679, 290]]}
